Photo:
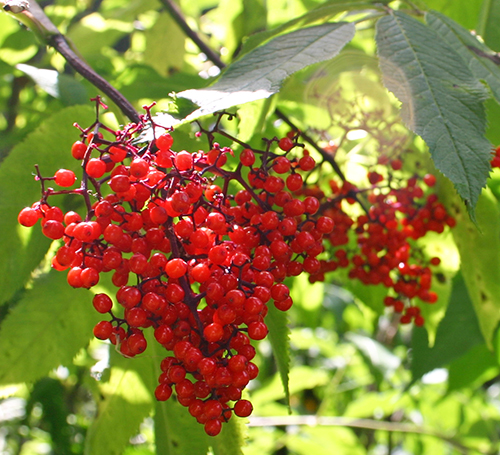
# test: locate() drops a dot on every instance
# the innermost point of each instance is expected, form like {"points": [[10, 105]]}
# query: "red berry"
{"points": [[65, 177]]}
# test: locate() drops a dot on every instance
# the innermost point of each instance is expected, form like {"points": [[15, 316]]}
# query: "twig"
{"points": [[178, 17], [31, 15]]}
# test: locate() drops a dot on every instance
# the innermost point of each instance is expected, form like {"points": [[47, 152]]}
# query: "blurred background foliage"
{"points": [[359, 382]]}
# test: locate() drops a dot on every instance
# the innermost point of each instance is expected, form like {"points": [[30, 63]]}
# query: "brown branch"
{"points": [[176, 14]]}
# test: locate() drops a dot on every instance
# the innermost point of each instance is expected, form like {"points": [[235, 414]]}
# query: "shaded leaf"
{"points": [[458, 332], [259, 73], [442, 100], [47, 328], [474, 53], [473, 369], [480, 259], [279, 337]]}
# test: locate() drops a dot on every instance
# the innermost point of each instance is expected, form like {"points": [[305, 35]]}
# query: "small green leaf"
{"points": [[47, 328], [259, 73], [22, 249], [442, 100], [457, 333], [474, 53], [489, 18], [126, 402], [60, 86], [279, 337]]}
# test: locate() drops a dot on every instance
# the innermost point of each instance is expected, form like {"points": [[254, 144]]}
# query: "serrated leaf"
{"points": [[442, 100], [259, 73], [61, 86], [126, 402], [47, 328], [487, 27], [457, 333], [279, 337], [22, 249], [474, 53]]}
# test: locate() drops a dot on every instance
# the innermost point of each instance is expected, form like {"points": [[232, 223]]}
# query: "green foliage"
{"points": [[259, 73], [46, 328], [442, 101], [338, 354]]}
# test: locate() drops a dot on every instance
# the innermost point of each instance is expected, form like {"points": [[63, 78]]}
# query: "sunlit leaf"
{"points": [[442, 100], [22, 249], [259, 73], [125, 402], [47, 327], [279, 336]]}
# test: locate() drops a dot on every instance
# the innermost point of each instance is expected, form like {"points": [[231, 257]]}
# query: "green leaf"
{"points": [[474, 53], [177, 432], [259, 73], [442, 100], [165, 30], [60, 86], [321, 13], [47, 328], [458, 332], [473, 369], [22, 249], [231, 438], [480, 259], [279, 337], [489, 18], [126, 402]]}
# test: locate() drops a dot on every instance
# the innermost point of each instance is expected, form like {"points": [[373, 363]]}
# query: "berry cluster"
{"points": [[192, 258], [378, 246], [199, 245]]}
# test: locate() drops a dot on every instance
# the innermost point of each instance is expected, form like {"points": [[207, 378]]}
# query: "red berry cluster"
{"points": [[192, 258], [384, 251]]}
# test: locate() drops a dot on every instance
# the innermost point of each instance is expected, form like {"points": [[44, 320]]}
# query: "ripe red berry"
{"points": [[65, 177]]}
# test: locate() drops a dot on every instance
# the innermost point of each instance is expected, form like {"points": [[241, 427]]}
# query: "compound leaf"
{"points": [[259, 73], [442, 100]]}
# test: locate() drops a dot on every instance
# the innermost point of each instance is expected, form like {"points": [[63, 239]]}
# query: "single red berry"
{"points": [[65, 177], [28, 217], [285, 144], [243, 408], [78, 150]]}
